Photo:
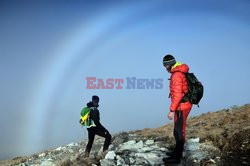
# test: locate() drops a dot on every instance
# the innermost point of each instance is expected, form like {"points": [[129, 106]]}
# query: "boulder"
{"points": [[110, 155], [131, 146]]}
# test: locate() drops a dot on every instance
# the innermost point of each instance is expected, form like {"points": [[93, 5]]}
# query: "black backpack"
{"points": [[195, 89]]}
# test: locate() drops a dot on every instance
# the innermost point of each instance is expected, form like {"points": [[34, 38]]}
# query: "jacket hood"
{"points": [[180, 68]]}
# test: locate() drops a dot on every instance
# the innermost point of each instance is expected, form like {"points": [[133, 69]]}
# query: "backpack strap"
{"points": [[185, 98]]}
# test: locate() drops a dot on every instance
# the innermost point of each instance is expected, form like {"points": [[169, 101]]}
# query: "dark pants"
{"points": [[179, 131], [101, 132]]}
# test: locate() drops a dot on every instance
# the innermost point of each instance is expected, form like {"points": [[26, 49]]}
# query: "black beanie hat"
{"points": [[168, 60], [95, 98]]}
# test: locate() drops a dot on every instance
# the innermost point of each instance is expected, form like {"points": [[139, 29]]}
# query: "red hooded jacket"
{"points": [[178, 87]]}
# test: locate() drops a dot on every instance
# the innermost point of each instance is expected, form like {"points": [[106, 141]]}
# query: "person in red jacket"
{"points": [[179, 107]]}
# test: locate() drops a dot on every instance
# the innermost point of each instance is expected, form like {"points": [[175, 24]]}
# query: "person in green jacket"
{"points": [[97, 128]]}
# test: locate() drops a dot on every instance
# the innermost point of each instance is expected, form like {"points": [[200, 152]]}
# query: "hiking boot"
{"points": [[171, 153], [171, 160]]}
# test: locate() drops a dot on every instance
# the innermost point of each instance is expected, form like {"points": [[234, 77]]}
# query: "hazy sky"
{"points": [[48, 49]]}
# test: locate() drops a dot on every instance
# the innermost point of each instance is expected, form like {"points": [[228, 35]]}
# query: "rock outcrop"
{"points": [[218, 138], [126, 149]]}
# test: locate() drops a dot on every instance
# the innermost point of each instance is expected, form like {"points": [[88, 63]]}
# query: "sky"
{"points": [[49, 48]]}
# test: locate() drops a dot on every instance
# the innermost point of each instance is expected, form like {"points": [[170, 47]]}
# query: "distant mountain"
{"points": [[214, 138]]}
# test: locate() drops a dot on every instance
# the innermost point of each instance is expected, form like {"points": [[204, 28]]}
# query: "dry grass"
{"points": [[212, 127], [14, 161]]}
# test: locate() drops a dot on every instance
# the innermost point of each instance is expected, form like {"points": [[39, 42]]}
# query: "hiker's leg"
{"points": [[91, 136], [104, 133], [178, 133], [107, 142], [175, 133], [185, 114]]}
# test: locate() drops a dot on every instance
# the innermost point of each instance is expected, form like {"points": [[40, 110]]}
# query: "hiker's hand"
{"points": [[170, 115]]}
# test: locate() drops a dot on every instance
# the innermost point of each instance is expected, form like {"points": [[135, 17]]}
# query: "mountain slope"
{"points": [[219, 138], [212, 127]]}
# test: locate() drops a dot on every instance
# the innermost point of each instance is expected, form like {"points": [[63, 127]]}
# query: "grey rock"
{"points": [[194, 140], [197, 152], [131, 154], [164, 149], [60, 148], [152, 158], [131, 146], [145, 149], [47, 163], [99, 153], [192, 144], [110, 155], [141, 161], [149, 142], [71, 151], [72, 144], [42, 155], [106, 162], [111, 147], [120, 161], [131, 160], [81, 150], [118, 140], [155, 146], [131, 142]]}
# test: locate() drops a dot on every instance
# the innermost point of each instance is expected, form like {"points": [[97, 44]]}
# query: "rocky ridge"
{"points": [[214, 138], [126, 149]]}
